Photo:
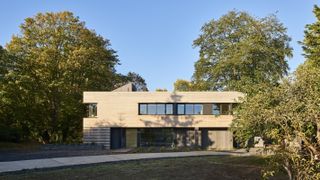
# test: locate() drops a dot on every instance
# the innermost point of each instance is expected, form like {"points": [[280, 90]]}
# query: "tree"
{"points": [[311, 40], [161, 90], [7, 132], [57, 58], [137, 81], [309, 72], [288, 116], [239, 51], [183, 85]]}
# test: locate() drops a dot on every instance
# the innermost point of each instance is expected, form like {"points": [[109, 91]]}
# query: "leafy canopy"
{"points": [[238, 51], [183, 85], [56, 59], [288, 115]]}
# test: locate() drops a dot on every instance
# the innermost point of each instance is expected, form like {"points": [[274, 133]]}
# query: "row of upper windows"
{"points": [[175, 109], [155, 109], [185, 109]]}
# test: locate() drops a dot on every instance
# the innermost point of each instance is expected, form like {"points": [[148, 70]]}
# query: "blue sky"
{"points": [[154, 38]]}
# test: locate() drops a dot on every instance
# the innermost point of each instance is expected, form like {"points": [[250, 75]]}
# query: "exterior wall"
{"points": [[97, 135], [188, 137], [131, 138], [120, 109], [126, 88], [220, 139]]}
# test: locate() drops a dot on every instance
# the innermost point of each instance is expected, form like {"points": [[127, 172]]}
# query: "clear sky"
{"points": [[154, 38]]}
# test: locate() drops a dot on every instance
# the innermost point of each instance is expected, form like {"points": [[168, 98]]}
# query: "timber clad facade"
{"points": [[125, 118]]}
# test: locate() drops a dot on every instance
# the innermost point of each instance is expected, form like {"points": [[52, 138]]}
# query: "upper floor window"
{"points": [[216, 109], [185, 108], [161, 109], [198, 108], [155, 108], [225, 109], [181, 108], [143, 109], [222, 109], [92, 110], [152, 109], [169, 108], [190, 109]]}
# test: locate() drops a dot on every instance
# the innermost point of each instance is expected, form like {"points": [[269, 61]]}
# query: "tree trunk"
{"points": [[288, 170], [318, 132], [54, 119]]}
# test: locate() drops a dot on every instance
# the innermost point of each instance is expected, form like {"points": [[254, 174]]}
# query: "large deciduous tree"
{"points": [[56, 59], [183, 85], [288, 115], [239, 51], [139, 83]]}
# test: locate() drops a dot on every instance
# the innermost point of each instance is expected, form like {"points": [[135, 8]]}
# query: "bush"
{"points": [[8, 134]]}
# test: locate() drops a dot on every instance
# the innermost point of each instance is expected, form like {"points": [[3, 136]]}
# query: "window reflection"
{"points": [[92, 110], [198, 109], [169, 108], [215, 109], [180, 108], [189, 108], [161, 109], [143, 108]]}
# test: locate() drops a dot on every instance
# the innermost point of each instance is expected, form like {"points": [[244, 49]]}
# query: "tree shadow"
{"points": [[182, 121], [207, 142], [171, 120], [174, 97]]}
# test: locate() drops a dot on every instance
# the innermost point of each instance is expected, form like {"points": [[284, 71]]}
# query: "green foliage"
{"points": [[311, 40], [239, 51], [183, 85], [161, 90], [137, 80], [287, 115], [56, 59]]}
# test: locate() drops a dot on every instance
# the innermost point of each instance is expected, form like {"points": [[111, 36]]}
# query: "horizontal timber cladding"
{"points": [[131, 138], [187, 137], [217, 138], [121, 109], [97, 135]]}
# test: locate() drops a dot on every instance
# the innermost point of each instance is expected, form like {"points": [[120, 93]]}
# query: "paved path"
{"points": [[9, 166]]}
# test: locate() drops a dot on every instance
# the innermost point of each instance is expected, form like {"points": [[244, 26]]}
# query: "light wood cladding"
{"points": [[120, 109]]}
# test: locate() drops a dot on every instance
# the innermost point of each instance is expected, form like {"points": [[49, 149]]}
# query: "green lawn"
{"points": [[211, 167]]}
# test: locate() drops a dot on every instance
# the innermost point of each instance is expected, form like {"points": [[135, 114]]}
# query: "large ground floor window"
{"points": [[207, 138], [156, 137], [167, 137]]}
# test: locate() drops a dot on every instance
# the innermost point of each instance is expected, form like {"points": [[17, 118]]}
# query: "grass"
{"points": [[210, 167]]}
